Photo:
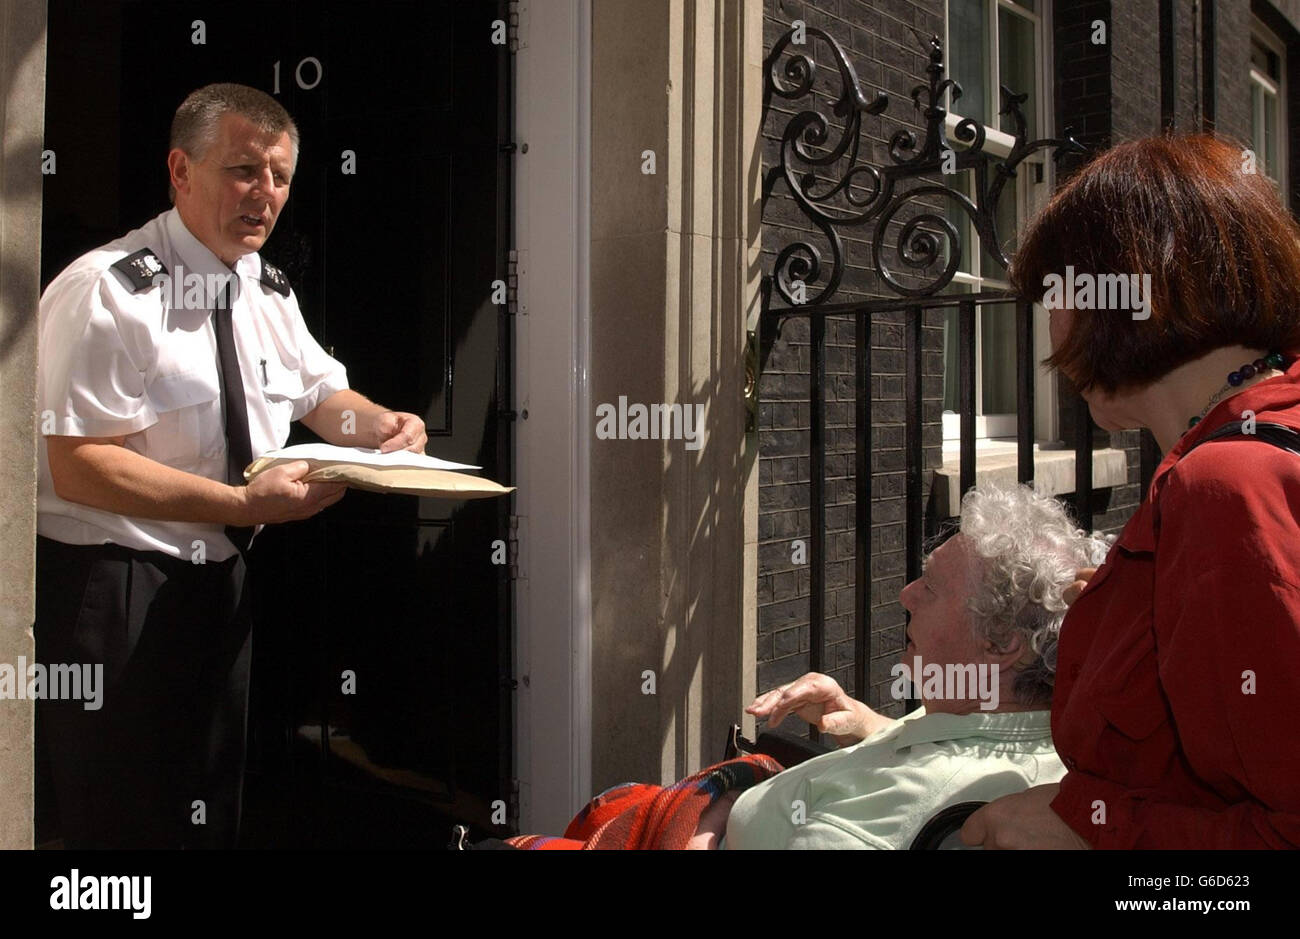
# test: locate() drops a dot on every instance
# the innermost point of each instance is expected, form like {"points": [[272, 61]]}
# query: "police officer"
{"points": [[169, 359]]}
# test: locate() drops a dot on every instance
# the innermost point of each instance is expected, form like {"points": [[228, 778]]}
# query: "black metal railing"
{"points": [[801, 283]]}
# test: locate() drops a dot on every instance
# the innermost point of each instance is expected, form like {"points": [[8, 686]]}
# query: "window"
{"points": [[1267, 103], [993, 43]]}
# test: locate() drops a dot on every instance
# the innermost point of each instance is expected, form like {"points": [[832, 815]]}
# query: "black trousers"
{"points": [[160, 764]]}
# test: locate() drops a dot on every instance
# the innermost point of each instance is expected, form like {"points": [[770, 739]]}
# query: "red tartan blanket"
{"points": [[643, 817]]}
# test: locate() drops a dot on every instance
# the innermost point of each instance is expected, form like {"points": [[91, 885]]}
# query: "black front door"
{"points": [[381, 702]]}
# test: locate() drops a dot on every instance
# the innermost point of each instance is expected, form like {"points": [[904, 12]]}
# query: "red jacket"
{"points": [[1177, 701]]}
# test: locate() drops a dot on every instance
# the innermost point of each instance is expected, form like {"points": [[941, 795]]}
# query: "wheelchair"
{"points": [[938, 833]]}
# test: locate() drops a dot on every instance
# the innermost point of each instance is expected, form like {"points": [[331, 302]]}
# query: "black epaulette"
{"points": [[273, 279], [140, 268]]}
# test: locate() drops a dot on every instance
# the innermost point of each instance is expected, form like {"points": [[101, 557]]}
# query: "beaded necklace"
{"points": [[1273, 360]]}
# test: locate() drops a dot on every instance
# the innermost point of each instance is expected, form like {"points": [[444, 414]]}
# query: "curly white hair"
{"points": [[1026, 550]]}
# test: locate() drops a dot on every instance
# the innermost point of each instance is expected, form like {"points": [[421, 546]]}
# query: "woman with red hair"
{"points": [[1178, 682]]}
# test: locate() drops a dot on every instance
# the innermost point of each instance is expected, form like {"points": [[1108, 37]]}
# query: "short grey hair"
{"points": [[1025, 551], [194, 127]]}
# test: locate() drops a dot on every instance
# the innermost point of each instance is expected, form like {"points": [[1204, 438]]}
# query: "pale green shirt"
{"points": [[880, 792]]}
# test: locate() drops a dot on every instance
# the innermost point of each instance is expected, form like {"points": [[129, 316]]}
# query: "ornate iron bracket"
{"points": [[833, 205]]}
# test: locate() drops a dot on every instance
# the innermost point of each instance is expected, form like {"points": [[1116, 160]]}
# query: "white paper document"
{"points": [[363, 455]]}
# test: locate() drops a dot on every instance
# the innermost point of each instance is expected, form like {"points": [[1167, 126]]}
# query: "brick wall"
{"points": [[886, 55], [1232, 86]]}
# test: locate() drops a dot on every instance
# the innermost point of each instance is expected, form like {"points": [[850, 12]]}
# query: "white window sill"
{"points": [[995, 461]]}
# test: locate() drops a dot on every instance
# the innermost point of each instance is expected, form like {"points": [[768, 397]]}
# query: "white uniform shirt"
{"points": [[116, 361]]}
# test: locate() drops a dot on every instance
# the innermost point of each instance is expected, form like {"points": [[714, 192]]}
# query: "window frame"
{"points": [[1031, 195], [1260, 33]]}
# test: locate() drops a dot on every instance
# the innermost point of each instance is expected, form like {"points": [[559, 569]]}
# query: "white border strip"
{"points": [[581, 701], [552, 235]]}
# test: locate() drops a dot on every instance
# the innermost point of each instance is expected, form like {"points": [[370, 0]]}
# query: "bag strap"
{"points": [[1279, 435]]}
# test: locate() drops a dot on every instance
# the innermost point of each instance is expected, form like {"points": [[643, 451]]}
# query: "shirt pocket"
{"points": [[189, 427], [282, 389]]}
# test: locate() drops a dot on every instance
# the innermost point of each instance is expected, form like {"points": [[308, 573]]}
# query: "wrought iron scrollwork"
{"points": [[865, 194]]}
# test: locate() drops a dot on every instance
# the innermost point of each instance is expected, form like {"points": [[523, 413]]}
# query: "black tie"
{"points": [[239, 448]]}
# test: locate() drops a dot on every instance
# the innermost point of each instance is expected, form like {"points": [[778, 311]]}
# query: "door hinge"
{"points": [[512, 805], [512, 549], [516, 269], [512, 282], [514, 29]]}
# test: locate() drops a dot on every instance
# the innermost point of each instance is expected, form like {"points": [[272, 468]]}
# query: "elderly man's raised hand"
{"points": [[820, 701]]}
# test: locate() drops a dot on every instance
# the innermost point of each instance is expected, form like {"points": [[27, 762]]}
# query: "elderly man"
{"points": [[984, 618], [981, 648], [169, 359]]}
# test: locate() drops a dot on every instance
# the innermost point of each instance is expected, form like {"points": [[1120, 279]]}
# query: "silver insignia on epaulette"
{"points": [[146, 266]]}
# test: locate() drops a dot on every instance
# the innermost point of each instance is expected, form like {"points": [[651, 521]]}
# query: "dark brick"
{"points": [[780, 671], [785, 642], [779, 615]]}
